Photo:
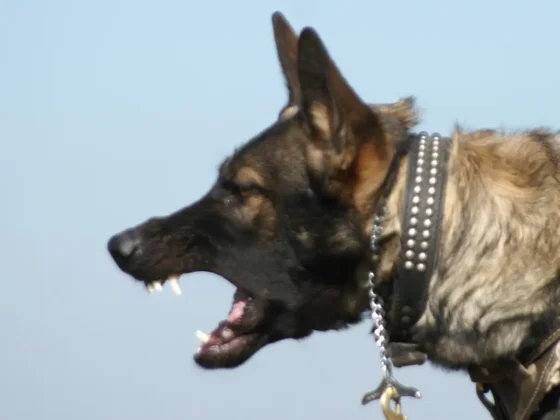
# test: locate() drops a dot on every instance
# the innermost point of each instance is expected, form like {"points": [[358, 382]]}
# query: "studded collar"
{"points": [[421, 222]]}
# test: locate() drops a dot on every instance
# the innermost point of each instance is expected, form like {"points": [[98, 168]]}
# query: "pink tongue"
{"points": [[237, 311]]}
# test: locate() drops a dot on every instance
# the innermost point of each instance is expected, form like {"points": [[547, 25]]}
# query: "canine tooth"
{"points": [[157, 286], [202, 336], [174, 283], [150, 288]]}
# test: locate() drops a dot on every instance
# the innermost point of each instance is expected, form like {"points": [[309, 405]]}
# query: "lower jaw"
{"points": [[228, 359]]}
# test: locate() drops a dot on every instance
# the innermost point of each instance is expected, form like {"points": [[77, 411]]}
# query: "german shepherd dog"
{"points": [[289, 219]]}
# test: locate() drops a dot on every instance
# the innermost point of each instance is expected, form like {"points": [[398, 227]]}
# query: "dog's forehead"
{"points": [[267, 156]]}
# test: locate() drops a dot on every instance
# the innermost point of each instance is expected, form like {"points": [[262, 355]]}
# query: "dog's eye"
{"points": [[248, 190], [242, 190]]}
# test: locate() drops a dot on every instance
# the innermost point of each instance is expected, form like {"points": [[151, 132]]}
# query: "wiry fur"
{"points": [[497, 279]]}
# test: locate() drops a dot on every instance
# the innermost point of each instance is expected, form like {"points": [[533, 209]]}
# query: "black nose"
{"points": [[123, 246]]}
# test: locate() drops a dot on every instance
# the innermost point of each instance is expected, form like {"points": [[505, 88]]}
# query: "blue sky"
{"points": [[114, 111]]}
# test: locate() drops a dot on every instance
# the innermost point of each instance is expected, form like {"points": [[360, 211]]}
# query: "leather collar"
{"points": [[421, 222]]}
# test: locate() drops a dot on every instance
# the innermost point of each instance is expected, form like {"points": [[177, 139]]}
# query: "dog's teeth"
{"points": [[157, 286], [174, 283], [202, 336], [150, 288]]}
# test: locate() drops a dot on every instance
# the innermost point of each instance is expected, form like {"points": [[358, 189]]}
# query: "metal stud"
{"points": [[417, 189], [413, 221], [411, 232], [414, 210], [422, 146], [434, 163], [422, 256], [425, 234], [419, 170], [418, 179], [409, 254], [410, 243], [429, 211], [433, 171], [430, 201], [420, 162], [424, 245], [427, 223], [415, 199], [435, 155], [421, 153], [431, 190], [421, 267], [432, 180], [408, 265]]}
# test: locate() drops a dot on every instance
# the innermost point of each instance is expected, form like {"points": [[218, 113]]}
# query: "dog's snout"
{"points": [[123, 246]]}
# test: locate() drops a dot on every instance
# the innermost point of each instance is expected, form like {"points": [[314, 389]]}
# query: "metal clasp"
{"points": [[391, 394], [388, 382], [391, 390]]}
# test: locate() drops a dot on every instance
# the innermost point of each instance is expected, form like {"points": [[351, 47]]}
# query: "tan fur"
{"points": [[288, 112], [249, 176], [321, 120], [403, 112], [500, 246], [256, 209]]}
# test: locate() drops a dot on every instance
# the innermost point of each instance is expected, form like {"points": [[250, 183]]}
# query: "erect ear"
{"points": [[345, 134], [286, 45]]}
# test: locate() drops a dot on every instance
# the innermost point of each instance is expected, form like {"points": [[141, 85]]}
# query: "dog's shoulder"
{"points": [[524, 159]]}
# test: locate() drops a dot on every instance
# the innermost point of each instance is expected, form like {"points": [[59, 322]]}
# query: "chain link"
{"points": [[376, 302]]}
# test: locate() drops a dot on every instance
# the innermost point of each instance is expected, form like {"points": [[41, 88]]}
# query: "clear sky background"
{"points": [[115, 111]]}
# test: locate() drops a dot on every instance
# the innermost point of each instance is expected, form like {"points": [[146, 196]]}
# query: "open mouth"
{"points": [[236, 338]]}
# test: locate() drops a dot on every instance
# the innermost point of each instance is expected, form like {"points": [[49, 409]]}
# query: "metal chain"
{"points": [[376, 302], [389, 388]]}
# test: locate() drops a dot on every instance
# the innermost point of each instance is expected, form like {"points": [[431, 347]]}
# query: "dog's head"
{"points": [[285, 221]]}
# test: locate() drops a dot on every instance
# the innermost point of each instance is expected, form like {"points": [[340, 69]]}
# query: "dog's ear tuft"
{"points": [[339, 121], [286, 46]]}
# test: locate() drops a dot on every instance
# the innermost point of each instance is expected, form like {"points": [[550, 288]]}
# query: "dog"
{"points": [[290, 217]]}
